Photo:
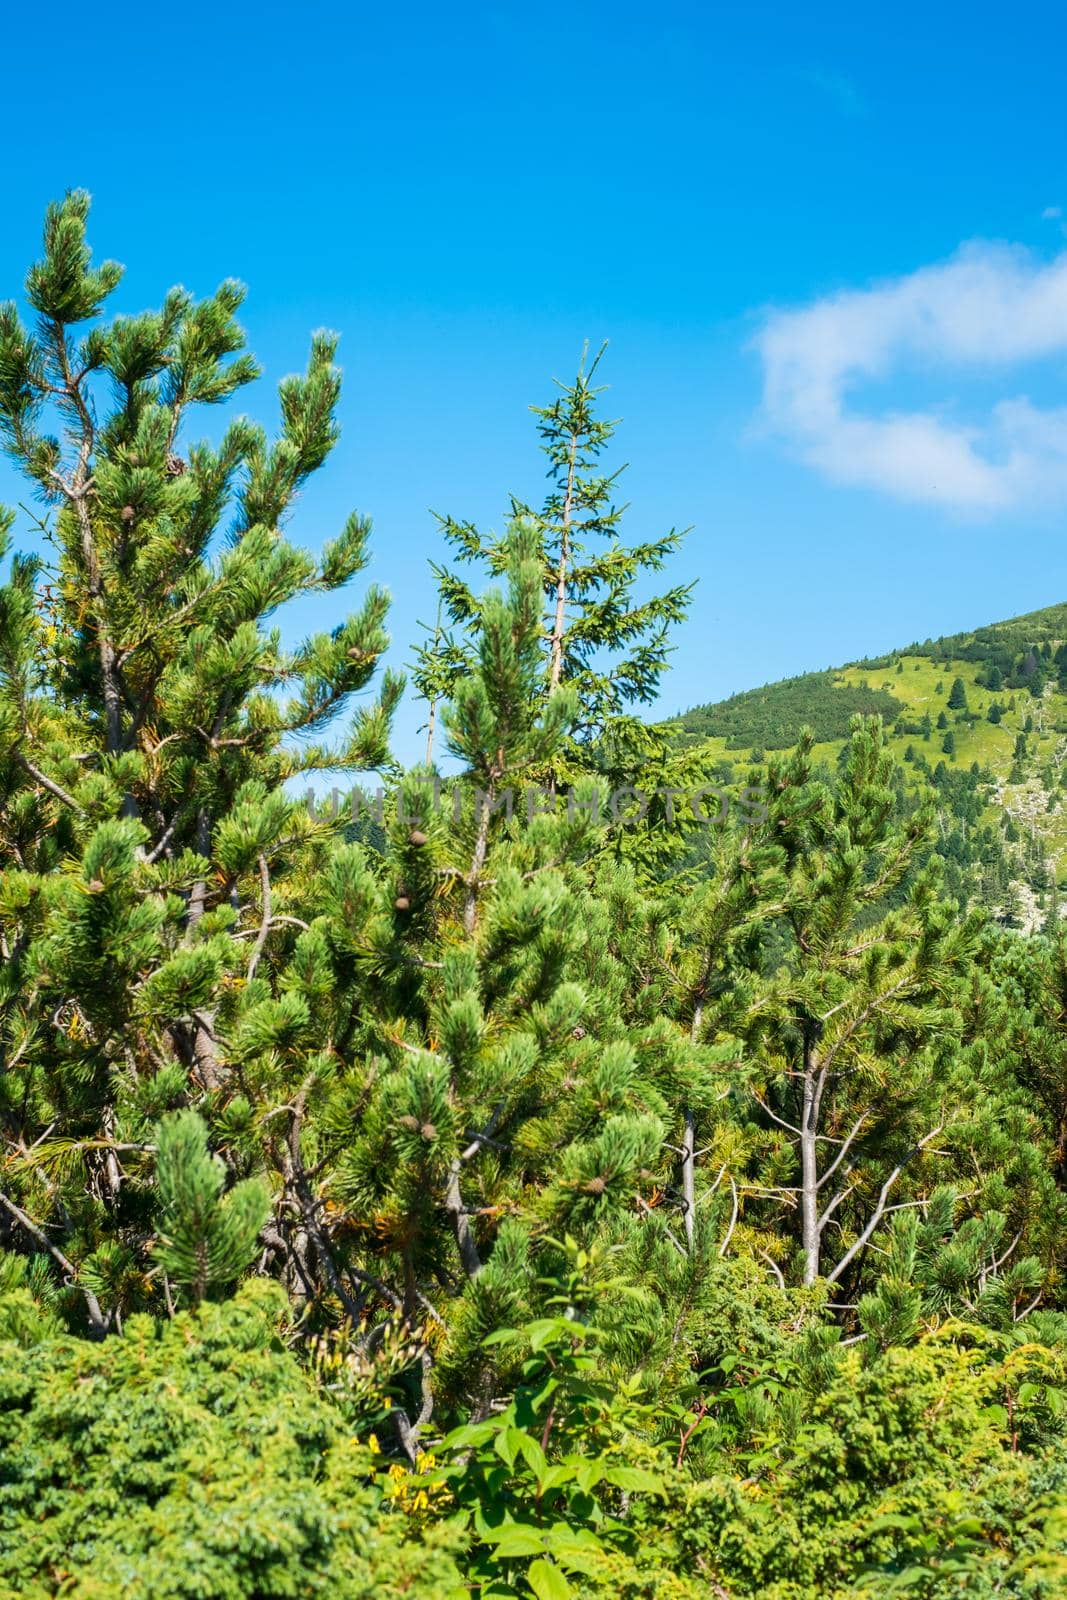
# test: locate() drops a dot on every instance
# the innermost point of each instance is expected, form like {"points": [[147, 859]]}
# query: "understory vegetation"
{"points": [[492, 1199]]}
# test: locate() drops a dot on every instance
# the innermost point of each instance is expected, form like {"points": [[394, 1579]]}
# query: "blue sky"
{"points": [[468, 192]]}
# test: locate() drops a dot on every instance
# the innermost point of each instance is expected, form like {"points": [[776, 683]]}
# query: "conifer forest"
{"points": [[614, 1155]]}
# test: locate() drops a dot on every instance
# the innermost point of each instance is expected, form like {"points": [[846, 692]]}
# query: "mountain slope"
{"points": [[995, 747]]}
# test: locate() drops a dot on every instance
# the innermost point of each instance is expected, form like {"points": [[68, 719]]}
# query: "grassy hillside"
{"points": [[999, 758]]}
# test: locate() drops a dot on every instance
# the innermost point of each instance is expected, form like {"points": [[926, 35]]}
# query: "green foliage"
{"points": [[771, 717], [902, 1475], [193, 1458], [599, 639], [206, 1239], [547, 1487], [957, 695], [149, 857], [789, 1087]]}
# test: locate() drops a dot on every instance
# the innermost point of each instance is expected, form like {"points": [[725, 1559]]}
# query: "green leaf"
{"points": [[515, 1539], [554, 1476], [507, 1442], [472, 1434], [548, 1582], [547, 1330], [637, 1479], [589, 1473], [573, 1548], [892, 1519], [531, 1453], [968, 1528], [503, 1336]]}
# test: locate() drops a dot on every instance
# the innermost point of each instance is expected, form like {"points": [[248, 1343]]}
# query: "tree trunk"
{"points": [[481, 846], [809, 1174], [204, 1050], [555, 670], [689, 1139], [430, 732], [468, 1249]]}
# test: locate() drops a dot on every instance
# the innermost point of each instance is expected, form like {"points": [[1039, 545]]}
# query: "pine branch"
{"points": [[47, 783], [98, 1323]]}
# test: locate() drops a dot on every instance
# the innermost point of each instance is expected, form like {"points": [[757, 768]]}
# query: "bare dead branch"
{"points": [[879, 1211]]}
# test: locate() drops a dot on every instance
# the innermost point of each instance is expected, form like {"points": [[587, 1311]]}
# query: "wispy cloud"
{"points": [[841, 90], [988, 309]]}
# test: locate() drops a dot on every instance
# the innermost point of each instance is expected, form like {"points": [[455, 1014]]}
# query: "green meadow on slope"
{"points": [[1002, 777]]}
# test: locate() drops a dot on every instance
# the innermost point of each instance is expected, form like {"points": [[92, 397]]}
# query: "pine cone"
{"points": [[175, 465]]}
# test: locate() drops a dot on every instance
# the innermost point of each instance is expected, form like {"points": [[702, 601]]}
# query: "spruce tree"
{"points": [[598, 636], [957, 697]]}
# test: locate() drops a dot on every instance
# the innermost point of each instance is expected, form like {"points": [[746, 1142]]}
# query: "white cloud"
{"points": [[1051, 213], [988, 309]]}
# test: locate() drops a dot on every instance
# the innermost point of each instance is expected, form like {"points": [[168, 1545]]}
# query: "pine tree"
{"points": [[445, 1060], [1033, 1027], [148, 716], [206, 1240], [845, 1028], [598, 1145], [498, 723], [941, 1264], [384, 1036], [957, 697]]}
